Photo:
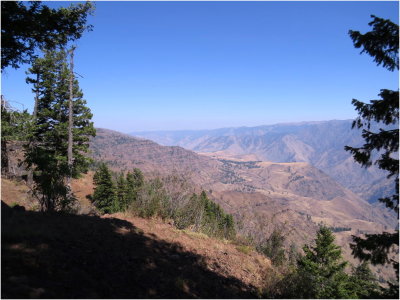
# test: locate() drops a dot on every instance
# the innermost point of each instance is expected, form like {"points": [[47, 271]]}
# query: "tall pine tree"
{"points": [[46, 152]]}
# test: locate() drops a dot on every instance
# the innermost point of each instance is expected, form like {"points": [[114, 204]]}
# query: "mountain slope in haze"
{"points": [[320, 144], [260, 194]]}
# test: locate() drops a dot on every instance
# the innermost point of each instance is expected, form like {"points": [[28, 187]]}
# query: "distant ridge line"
{"points": [[243, 127]]}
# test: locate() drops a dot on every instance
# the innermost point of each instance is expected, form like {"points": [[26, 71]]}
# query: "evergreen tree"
{"points": [[229, 226], [104, 192], [320, 272], [382, 43], [363, 282], [121, 194], [131, 193], [134, 182], [138, 178], [215, 222], [46, 152], [24, 28]]}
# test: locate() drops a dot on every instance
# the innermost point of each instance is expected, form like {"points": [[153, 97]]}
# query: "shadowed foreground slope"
{"points": [[79, 256]]}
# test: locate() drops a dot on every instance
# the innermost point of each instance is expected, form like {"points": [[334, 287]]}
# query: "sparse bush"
{"points": [[244, 249], [189, 214], [151, 200], [12, 205], [170, 198], [244, 240], [274, 248]]}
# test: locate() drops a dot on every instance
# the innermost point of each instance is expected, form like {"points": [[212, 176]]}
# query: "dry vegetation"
{"points": [[116, 256]]}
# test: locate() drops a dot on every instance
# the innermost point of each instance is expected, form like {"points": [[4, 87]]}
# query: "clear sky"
{"points": [[203, 65]]}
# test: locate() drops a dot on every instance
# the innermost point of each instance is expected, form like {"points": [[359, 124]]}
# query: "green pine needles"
{"points": [[323, 269], [320, 274], [382, 44], [46, 150], [104, 197]]}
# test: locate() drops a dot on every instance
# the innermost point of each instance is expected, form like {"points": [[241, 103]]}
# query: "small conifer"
{"points": [[104, 194]]}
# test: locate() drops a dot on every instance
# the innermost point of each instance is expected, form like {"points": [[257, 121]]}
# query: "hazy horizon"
{"points": [[234, 127]]}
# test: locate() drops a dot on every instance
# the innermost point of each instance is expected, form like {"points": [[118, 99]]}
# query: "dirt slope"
{"points": [[80, 256], [16, 192]]}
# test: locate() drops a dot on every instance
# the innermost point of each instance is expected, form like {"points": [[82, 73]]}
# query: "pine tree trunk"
{"points": [[30, 173], [36, 98], [70, 119], [4, 154]]}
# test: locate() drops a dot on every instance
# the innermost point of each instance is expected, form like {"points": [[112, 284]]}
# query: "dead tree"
{"points": [[34, 116], [70, 120]]}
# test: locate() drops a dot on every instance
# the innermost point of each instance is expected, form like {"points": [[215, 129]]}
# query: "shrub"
{"points": [[244, 249]]}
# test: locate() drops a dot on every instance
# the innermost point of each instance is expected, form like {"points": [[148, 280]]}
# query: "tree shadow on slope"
{"points": [[80, 256]]}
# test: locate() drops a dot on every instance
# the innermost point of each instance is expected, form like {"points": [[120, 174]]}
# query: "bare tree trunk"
{"points": [[35, 108], [36, 98], [70, 120], [4, 152]]}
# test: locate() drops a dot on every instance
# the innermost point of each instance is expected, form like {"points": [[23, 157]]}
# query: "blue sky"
{"points": [[203, 65]]}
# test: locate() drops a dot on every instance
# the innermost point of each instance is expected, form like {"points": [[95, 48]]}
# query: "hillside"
{"points": [[81, 256], [262, 195], [123, 152], [320, 144]]}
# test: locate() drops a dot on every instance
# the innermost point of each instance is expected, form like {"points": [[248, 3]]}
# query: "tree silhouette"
{"points": [[24, 28], [382, 43]]}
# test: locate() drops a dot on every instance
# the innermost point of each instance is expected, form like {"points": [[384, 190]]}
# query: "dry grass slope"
{"points": [[80, 256]]}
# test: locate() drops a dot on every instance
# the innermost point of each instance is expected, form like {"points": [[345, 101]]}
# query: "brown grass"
{"points": [[79, 256]]}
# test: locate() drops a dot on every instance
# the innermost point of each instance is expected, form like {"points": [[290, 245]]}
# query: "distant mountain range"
{"points": [[320, 144]]}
